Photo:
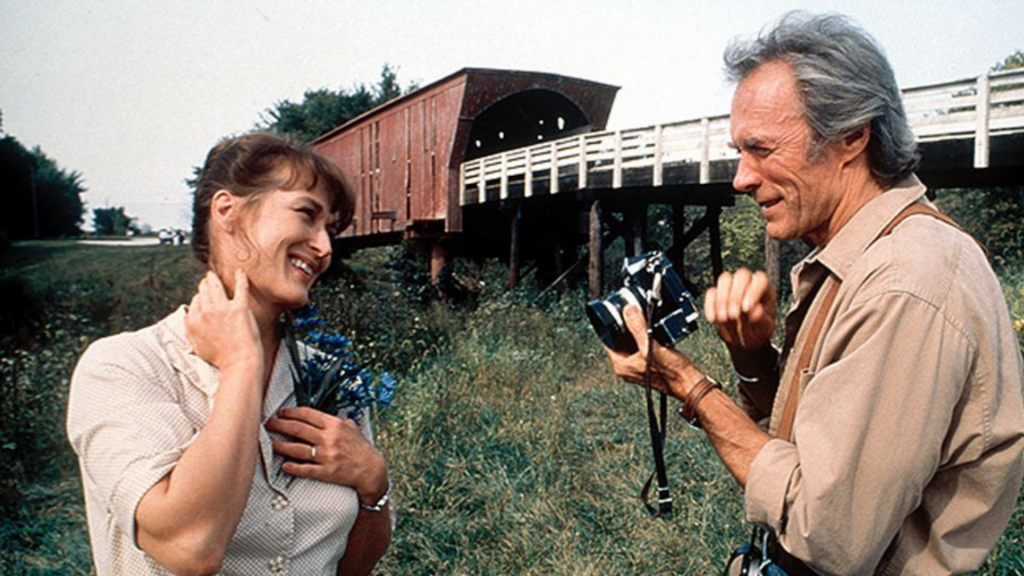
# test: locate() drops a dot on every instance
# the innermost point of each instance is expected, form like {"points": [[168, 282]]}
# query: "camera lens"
{"points": [[607, 319]]}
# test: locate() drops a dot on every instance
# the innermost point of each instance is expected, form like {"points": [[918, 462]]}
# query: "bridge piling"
{"points": [[595, 278], [514, 258], [438, 260]]}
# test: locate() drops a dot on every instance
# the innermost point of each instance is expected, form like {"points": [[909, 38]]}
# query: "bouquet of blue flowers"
{"points": [[327, 376]]}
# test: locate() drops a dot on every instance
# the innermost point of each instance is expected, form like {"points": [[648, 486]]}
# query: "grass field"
{"points": [[512, 448]]}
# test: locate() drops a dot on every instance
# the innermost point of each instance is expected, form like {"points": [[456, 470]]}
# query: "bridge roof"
{"points": [[485, 76]]}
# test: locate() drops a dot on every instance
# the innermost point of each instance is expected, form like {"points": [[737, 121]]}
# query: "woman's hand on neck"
{"points": [[221, 325]]}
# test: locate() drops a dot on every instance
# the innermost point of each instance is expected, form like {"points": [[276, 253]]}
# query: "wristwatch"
{"points": [[381, 503]]}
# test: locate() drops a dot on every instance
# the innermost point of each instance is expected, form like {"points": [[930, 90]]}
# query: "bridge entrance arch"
{"points": [[524, 118]]}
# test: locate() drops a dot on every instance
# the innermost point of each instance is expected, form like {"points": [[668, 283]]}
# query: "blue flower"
{"points": [[327, 376], [386, 390]]}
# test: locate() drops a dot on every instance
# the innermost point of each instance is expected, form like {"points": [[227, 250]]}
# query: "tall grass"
{"points": [[520, 454], [512, 448]]}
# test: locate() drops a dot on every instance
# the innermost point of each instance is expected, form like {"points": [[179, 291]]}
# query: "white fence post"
{"points": [[705, 147], [981, 129], [528, 175], [658, 177], [617, 164], [503, 193], [581, 178], [481, 182], [553, 185]]}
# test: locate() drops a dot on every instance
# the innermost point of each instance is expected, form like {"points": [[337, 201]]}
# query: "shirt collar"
{"points": [[204, 376], [280, 388], [182, 357], [853, 239]]}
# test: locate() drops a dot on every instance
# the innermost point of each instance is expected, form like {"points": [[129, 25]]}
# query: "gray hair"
{"points": [[845, 81]]}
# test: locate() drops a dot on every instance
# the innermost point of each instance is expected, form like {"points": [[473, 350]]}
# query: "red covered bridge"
{"points": [[518, 164], [403, 158]]}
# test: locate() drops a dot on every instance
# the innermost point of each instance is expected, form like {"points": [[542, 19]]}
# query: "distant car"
{"points": [[167, 236]]}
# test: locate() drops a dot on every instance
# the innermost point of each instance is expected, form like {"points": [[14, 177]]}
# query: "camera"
{"points": [[648, 279]]}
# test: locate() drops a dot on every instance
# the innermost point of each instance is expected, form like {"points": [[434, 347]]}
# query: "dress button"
{"points": [[276, 565], [279, 502]]}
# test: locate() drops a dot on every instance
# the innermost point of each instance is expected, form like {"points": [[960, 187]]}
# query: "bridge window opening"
{"points": [[524, 118]]}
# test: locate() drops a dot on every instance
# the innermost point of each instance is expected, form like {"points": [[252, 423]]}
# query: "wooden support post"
{"points": [[636, 218], [773, 262], [677, 252], [595, 280], [714, 213], [514, 256], [559, 262], [438, 260]]}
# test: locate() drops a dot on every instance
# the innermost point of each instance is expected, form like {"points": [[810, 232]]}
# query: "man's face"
{"points": [[798, 197]]}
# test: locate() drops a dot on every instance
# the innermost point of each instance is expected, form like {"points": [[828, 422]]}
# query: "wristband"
{"points": [[381, 503], [746, 379], [689, 408]]}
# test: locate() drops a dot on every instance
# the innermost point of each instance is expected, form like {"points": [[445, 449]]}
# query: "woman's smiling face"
{"points": [[282, 243]]}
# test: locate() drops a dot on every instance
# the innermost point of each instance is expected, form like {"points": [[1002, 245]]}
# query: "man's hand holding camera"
{"points": [[671, 371], [742, 306]]}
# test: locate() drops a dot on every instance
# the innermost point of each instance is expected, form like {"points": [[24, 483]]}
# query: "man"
{"points": [[901, 449]]}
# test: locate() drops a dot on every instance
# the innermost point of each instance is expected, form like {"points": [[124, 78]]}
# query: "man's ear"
{"points": [[856, 142], [224, 209]]}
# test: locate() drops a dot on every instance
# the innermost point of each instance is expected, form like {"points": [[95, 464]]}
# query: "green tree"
{"points": [[58, 198], [1011, 62], [323, 109], [113, 222], [992, 215], [42, 200]]}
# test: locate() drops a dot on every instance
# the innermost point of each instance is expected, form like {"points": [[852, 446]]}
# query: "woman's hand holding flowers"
{"points": [[342, 454]]}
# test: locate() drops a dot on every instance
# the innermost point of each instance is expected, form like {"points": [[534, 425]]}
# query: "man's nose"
{"points": [[746, 179]]}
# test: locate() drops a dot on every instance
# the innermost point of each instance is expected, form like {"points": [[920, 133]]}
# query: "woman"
{"points": [[194, 458]]}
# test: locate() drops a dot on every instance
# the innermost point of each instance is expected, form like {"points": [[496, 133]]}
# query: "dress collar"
{"points": [[204, 375]]}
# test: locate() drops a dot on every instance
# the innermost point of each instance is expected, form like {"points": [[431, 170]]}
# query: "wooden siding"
{"points": [[402, 159]]}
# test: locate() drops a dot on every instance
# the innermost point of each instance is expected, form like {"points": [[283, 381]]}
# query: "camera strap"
{"points": [[657, 430]]}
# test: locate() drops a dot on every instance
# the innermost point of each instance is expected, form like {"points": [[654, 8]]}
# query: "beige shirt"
{"points": [[907, 441], [137, 401]]}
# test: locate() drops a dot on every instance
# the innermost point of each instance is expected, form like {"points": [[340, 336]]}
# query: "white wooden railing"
{"points": [[977, 108]]}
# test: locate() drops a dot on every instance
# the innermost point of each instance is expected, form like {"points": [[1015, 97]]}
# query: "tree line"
{"points": [[42, 200]]}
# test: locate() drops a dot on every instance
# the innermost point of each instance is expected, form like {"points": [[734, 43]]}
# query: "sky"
{"points": [[133, 93]]}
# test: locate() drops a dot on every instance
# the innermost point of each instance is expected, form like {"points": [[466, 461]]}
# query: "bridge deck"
{"points": [[985, 109]]}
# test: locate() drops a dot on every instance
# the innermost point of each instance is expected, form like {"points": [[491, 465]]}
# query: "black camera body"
{"points": [[648, 278]]}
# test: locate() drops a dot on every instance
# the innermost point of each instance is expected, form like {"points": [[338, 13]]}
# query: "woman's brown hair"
{"points": [[259, 162]]}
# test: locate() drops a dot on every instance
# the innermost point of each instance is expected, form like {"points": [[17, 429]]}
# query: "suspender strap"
{"points": [[785, 430]]}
